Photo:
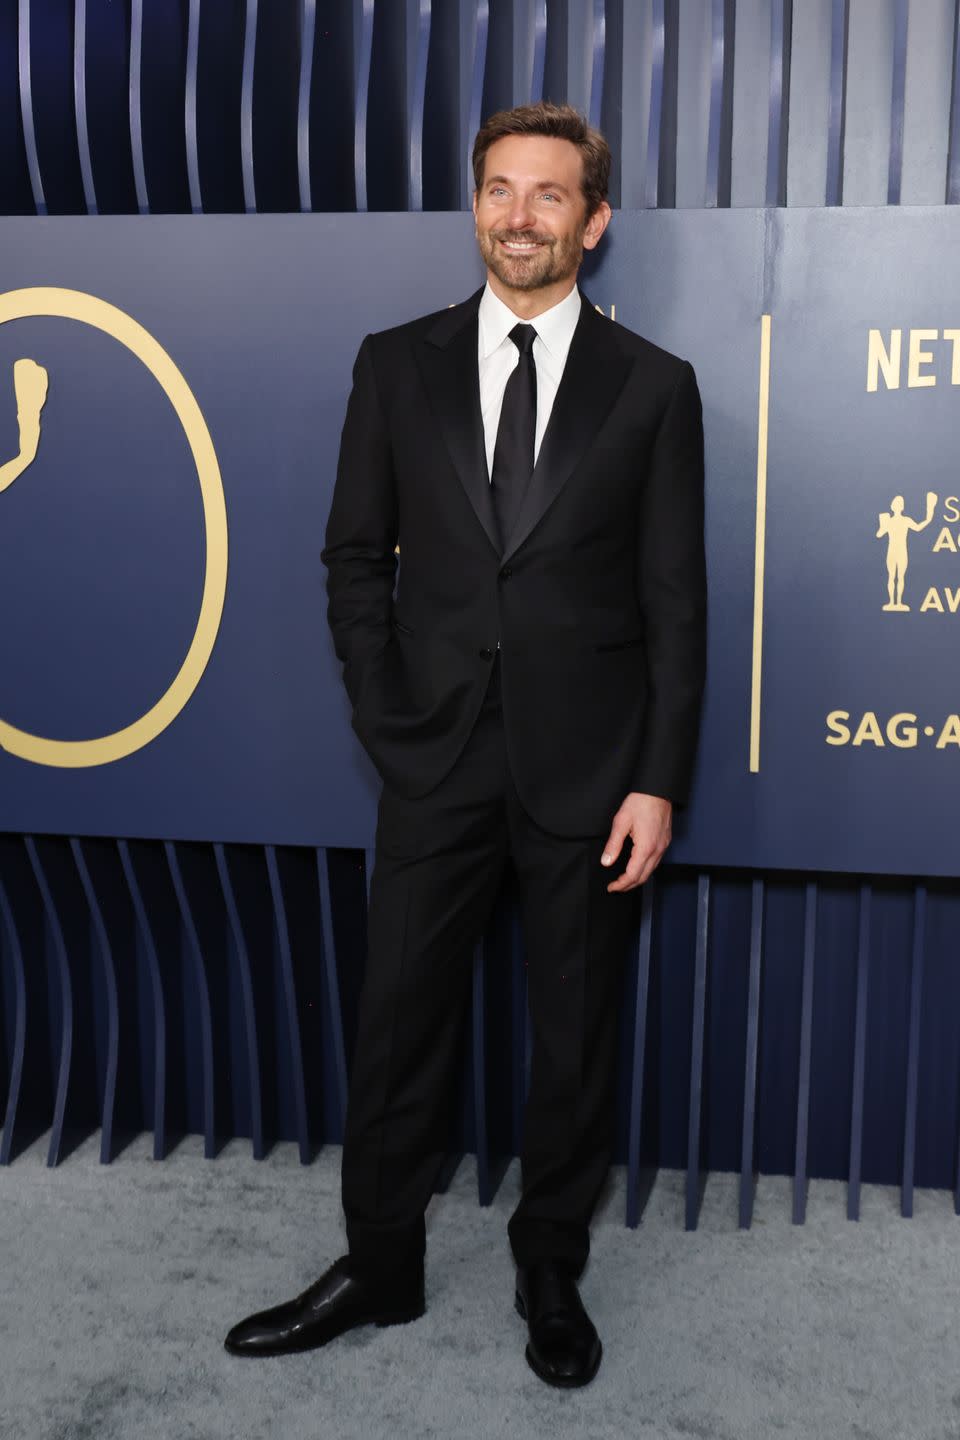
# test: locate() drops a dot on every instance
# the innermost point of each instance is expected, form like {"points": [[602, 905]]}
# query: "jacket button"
{"points": [[505, 573], [486, 654]]}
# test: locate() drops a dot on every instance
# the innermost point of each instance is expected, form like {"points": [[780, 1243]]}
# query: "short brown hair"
{"points": [[560, 122]]}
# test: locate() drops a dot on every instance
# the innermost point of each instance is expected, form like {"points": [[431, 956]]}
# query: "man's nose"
{"points": [[521, 215]]}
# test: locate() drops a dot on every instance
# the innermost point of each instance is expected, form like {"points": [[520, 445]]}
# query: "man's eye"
{"points": [[547, 196]]}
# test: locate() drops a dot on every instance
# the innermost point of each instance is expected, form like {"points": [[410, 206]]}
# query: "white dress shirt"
{"points": [[498, 357]]}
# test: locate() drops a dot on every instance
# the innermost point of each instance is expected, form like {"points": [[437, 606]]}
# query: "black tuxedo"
{"points": [[522, 753], [598, 600]]}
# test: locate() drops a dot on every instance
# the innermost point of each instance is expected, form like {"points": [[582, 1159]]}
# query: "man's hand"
{"points": [[647, 820]]}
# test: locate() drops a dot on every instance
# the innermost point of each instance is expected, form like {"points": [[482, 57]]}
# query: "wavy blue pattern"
{"points": [[105, 951], [952, 197], [55, 930], [715, 123], [304, 91], [913, 1049], [246, 107], [806, 1052], [781, 17], [190, 107], [481, 31], [598, 51], [898, 100], [249, 1006], [839, 27], [159, 1004], [26, 108], [363, 31], [194, 950], [290, 1002], [748, 1148], [651, 178], [15, 1084], [417, 93], [136, 106], [855, 1168], [80, 103]]}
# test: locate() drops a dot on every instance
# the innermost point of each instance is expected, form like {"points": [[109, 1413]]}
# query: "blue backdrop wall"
{"points": [[794, 1021]]}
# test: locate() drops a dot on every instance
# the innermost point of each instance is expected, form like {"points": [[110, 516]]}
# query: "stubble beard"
{"points": [[557, 260]]}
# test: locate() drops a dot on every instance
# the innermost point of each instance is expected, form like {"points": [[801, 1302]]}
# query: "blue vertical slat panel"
{"points": [[800, 1167], [837, 124], [918, 948], [694, 57], [598, 62], [167, 1040], [128, 997], [897, 102], [217, 89], [80, 103], [16, 197], [502, 63], [190, 116], [478, 69], [240, 956], [752, 63], [102, 57], [538, 70], [869, 92], [446, 104], [158, 72], [13, 1015], [748, 1153], [859, 1056], [640, 1183], [660, 169], [192, 873], [952, 196], [781, 67], [112, 997], [294, 1050], [362, 54], [928, 86], [278, 55], [25, 69], [30, 1091], [308, 33], [419, 40], [47, 36], [629, 72], [246, 105], [809, 108], [571, 52], [81, 1070], [328, 961], [720, 122], [695, 1173]]}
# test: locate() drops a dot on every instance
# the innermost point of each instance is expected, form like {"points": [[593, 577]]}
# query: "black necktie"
{"points": [[513, 451]]}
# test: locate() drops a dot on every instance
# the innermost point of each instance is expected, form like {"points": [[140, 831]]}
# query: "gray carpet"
{"points": [[119, 1283]]}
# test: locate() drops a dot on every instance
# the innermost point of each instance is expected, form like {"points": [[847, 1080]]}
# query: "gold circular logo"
{"points": [[89, 310]]}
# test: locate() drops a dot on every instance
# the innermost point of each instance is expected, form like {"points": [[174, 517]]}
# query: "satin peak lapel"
{"points": [[447, 357], [593, 376]]}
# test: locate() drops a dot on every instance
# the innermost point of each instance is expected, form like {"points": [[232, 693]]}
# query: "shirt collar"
{"points": [[554, 327]]}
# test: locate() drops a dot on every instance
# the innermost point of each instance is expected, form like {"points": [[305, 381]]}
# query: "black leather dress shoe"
{"points": [[336, 1302], [564, 1348]]}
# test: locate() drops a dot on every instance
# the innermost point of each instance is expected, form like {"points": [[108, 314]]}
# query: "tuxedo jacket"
{"points": [[597, 598]]}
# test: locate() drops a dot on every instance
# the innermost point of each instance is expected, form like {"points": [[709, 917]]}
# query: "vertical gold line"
{"points": [[762, 420]]}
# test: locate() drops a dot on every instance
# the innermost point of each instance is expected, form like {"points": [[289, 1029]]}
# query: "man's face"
{"points": [[532, 226]]}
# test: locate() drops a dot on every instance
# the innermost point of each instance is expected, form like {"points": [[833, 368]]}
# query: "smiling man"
{"points": [[529, 690]]}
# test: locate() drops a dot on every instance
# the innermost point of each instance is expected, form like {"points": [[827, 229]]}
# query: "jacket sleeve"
{"points": [[672, 594], [361, 534]]}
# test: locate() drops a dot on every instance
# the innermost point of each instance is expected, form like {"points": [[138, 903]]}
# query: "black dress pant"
{"points": [[438, 865]]}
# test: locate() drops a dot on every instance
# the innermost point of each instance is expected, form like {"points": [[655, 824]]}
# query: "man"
{"points": [[530, 692]]}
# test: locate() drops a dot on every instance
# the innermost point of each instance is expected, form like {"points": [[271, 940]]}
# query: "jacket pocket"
{"points": [[620, 644], [399, 625]]}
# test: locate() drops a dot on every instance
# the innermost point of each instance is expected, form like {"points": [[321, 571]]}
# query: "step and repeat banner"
{"points": [[171, 395]]}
